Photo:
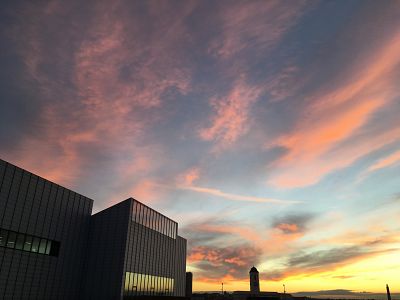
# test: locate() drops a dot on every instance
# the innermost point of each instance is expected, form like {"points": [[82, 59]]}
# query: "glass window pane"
{"points": [[28, 243], [152, 287], [158, 222], [126, 284], [162, 225], [12, 237], [146, 283], [153, 220], [140, 216], [42, 246], [35, 244], [132, 284], [48, 247], [139, 286], [149, 218], [3, 237], [137, 210], [20, 241], [167, 286], [135, 283], [146, 217], [134, 211], [159, 285]]}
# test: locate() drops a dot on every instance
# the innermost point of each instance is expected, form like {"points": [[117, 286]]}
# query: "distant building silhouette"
{"points": [[254, 281], [52, 247], [189, 284]]}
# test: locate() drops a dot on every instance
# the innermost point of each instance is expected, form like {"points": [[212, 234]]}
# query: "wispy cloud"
{"points": [[334, 117], [254, 25], [231, 115], [385, 162], [236, 197]]}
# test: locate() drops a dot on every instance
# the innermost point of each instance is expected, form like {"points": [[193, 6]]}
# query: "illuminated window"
{"points": [[144, 284]]}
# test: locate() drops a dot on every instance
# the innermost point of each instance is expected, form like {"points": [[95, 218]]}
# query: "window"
{"points": [[28, 243], [12, 236], [48, 247], [149, 218], [3, 237], [147, 284], [20, 241], [25, 242], [35, 244], [42, 246]]}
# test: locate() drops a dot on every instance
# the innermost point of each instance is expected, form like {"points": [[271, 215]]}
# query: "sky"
{"points": [[269, 130]]}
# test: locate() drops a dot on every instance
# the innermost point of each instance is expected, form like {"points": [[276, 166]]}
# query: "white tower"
{"points": [[254, 281]]}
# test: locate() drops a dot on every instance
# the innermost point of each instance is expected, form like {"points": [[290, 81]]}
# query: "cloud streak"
{"points": [[236, 197]]}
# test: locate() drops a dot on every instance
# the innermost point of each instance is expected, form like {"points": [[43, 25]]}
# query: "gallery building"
{"points": [[52, 247]]}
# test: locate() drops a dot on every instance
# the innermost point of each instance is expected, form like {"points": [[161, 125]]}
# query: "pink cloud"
{"points": [[236, 197], [388, 161], [103, 113], [231, 115], [335, 117], [189, 177], [254, 24]]}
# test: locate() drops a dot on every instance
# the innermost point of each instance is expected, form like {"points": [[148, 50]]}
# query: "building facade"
{"points": [[189, 285], [51, 247], [142, 254], [43, 233]]}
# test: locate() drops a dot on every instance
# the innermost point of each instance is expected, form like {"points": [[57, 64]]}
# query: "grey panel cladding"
{"points": [[149, 252], [155, 260], [32, 205], [105, 256], [180, 267], [96, 253]]}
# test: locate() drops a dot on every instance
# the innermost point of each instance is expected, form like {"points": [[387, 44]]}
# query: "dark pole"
{"points": [[388, 293]]}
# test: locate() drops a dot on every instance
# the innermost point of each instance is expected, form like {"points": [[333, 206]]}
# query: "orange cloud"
{"points": [[188, 177], [385, 162], [334, 118], [288, 227]]}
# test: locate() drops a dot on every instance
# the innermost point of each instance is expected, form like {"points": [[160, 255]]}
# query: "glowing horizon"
{"points": [[269, 130]]}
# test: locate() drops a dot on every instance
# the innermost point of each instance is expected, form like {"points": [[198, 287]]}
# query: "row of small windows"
{"points": [[29, 243], [143, 284], [151, 219]]}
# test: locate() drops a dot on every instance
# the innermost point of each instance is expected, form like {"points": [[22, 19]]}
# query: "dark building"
{"points": [[254, 281], [52, 248], [141, 254], [43, 231], [189, 284]]}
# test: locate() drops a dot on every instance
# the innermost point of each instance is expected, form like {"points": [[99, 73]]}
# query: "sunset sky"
{"points": [[269, 130]]}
